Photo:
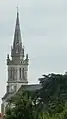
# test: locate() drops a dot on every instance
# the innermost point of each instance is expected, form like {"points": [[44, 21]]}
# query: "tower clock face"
{"points": [[12, 88]]}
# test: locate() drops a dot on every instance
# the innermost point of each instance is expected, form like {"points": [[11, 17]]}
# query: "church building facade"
{"points": [[17, 68]]}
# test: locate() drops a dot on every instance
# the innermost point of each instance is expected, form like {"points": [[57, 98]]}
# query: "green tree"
{"points": [[47, 103], [21, 107], [53, 92]]}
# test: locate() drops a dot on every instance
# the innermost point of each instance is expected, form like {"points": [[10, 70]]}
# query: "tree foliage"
{"points": [[54, 91], [20, 107], [47, 103]]}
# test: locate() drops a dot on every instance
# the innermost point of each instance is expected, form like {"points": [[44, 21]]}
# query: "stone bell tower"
{"points": [[18, 64]]}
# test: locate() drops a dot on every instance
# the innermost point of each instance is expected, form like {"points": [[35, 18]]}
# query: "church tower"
{"points": [[17, 67], [18, 64]]}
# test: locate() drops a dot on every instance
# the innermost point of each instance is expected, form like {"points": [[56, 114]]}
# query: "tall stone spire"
{"points": [[17, 49]]}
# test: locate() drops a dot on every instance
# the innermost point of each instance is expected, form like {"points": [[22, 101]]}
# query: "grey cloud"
{"points": [[44, 32]]}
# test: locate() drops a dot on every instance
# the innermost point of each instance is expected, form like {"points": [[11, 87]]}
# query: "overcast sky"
{"points": [[44, 34]]}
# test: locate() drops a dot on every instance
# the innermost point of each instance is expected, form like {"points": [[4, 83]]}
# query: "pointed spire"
{"points": [[17, 44], [17, 20], [17, 35]]}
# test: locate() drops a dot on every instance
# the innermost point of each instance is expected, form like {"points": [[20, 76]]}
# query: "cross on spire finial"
{"points": [[17, 9]]}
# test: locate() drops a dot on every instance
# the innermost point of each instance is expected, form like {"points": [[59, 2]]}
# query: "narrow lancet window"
{"points": [[23, 73], [20, 72], [11, 72]]}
